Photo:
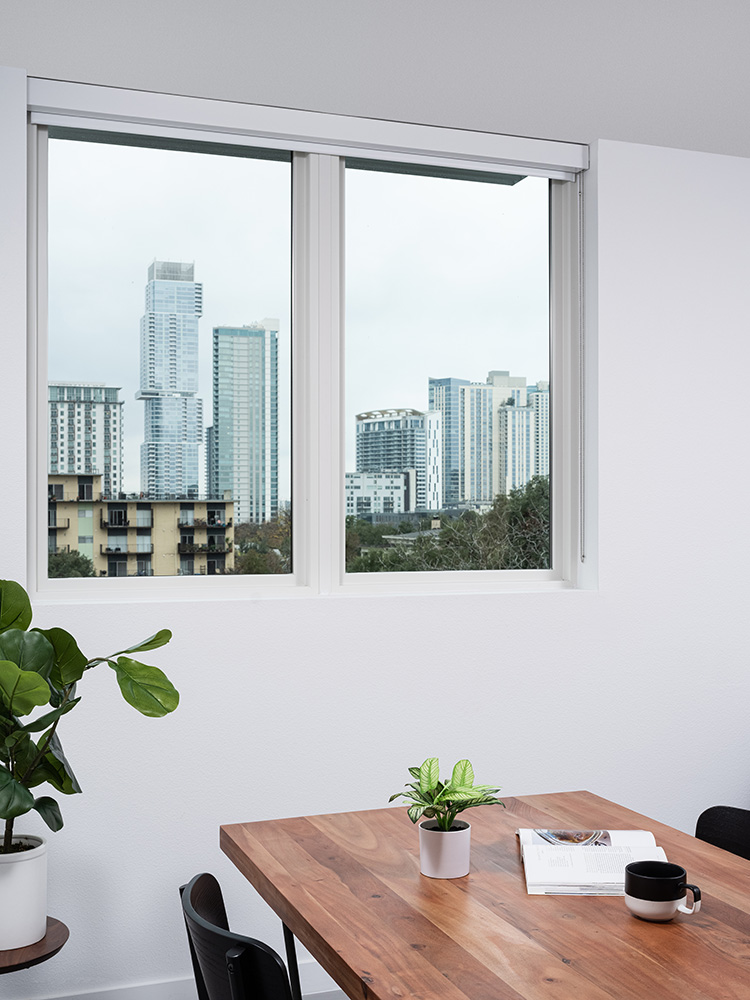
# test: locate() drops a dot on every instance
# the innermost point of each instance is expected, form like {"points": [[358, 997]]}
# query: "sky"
{"points": [[443, 277]]}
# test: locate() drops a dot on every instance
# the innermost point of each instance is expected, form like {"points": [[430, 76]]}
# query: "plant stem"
{"points": [[8, 838]]}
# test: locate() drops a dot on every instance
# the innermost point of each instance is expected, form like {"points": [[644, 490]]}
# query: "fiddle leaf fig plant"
{"points": [[442, 801], [40, 669]]}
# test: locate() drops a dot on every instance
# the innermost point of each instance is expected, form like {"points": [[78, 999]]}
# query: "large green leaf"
{"points": [[46, 720], [69, 661], [463, 774], [49, 810], [21, 690], [161, 638], [429, 774], [64, 776], [146, 688], [28, 650], [15, 606], [15, 800]]}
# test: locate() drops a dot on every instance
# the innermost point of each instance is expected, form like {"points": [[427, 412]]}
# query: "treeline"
{"points": [[514, 534]]}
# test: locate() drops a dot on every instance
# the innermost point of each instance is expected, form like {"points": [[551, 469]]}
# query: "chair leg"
{"points": [[291, 961]]}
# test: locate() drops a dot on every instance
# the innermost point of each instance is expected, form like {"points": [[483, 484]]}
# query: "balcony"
{"points": [[53, 521], [117, 523], [186, 548], [125, 550]]}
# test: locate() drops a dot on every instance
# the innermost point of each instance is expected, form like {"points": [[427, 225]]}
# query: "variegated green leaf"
{"points": [[463, 774], [429, 774], [415, 812], [460, 794]]}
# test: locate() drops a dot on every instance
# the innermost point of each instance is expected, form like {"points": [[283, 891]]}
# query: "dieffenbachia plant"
{"points": [[432, 798], [42, 667]]}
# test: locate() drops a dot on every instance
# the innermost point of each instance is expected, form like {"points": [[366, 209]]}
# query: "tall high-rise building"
{"points": [[539, 400], [173, 417], [444, 396], [85, 432], [400, 440], [499, 435], [243, 443]]}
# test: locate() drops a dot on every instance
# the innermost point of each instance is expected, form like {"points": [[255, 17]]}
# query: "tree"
{"points": [[264, 548], [72, 563], [514, 534]]}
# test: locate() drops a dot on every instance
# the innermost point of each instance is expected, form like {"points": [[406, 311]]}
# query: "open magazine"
{"points": [[583, 862]]}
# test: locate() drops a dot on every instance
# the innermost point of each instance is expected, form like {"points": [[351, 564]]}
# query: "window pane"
{"points": [[169, 359], [447, 372]]}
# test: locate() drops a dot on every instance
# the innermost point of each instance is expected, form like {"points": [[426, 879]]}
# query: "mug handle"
{"points": [[696, 899]]}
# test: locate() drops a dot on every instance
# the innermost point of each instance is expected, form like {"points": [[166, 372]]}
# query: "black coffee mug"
{"points": [[656, 890]]}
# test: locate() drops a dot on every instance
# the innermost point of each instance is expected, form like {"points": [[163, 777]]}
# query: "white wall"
{"points": [[637, 691]]}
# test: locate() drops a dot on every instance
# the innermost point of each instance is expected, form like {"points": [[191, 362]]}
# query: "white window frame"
{"points": [[319, 142]]}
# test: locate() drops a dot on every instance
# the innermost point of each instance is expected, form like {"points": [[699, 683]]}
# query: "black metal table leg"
{"points": [[291, 961]]}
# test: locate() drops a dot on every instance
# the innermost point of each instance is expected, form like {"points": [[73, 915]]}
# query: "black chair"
{"points": [[727, 827], [227, 966]]}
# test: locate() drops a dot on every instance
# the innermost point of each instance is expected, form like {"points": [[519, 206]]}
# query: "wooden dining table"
{"points": [[348, 887]]}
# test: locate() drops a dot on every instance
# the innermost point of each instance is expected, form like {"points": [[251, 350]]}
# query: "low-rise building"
{"points": [[135, 535], [380, 492]]}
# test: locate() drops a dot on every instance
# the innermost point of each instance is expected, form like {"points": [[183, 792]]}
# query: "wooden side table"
{"points": [[21, 958]]}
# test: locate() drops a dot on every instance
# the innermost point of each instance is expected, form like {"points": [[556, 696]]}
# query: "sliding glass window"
{"points": [[447, 370], [169, 357]]}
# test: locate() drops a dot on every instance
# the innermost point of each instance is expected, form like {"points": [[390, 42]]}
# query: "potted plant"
{"points": [[39, 673], [444, 841]]}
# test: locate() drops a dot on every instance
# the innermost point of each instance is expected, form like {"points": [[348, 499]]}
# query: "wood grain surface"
{"points": [[13, 959], [348, 886]]}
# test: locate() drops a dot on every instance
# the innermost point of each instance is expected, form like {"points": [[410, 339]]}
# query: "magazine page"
{"points": [[586, 838], [583, 870]]}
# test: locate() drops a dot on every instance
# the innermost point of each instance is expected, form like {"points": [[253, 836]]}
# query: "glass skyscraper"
{"points": [[243, 444], [173, 419], [445, 396]]}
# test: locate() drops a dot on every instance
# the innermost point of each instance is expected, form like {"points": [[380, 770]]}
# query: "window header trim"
{"points": [[74, 105]]}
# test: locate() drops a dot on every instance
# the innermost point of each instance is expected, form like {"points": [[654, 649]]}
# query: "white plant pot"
{"points": [[444, 854], [23, 894]]}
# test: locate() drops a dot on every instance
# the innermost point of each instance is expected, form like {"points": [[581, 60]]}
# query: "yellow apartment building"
{"points": [[137, 534]]}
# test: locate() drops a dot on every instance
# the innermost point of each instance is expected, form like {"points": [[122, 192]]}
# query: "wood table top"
{"points": [[348, 886]]}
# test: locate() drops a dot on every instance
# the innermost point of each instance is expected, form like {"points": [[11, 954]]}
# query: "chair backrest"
{"points": [[727, 827], [227, 966]]}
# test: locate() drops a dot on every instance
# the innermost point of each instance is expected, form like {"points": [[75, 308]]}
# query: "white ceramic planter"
{"points": [[444, 854], [23, 894]]}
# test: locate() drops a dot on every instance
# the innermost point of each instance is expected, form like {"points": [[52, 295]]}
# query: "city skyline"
{"points": [[415, 301]]}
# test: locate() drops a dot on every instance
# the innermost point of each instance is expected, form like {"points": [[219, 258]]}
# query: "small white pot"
{"points": [[23, 894], [444, 853]]}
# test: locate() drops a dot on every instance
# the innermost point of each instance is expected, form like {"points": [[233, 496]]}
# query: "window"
{"points": [[482, 424], [447, 335], [191, 355]]}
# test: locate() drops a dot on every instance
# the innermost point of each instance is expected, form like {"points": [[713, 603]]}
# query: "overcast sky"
{"points": [[444, 277]]}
